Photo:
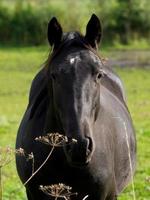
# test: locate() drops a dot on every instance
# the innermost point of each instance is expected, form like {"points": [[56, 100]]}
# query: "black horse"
{"points": [[76, 95]]}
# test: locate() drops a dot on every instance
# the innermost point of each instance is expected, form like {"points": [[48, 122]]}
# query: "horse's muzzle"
{"points": [[80, 153]]}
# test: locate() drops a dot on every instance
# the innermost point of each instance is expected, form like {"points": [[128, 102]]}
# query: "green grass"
{"points": [[139, 44], [18, 67]]}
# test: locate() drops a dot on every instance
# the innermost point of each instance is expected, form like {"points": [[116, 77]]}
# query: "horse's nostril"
{"points": [[79, 152], [89, 144]]}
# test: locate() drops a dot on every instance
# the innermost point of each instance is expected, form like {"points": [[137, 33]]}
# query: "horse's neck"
{"points": [[52, 123]]}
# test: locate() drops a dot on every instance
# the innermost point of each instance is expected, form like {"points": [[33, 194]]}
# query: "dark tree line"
{"points": [[25, 22]]}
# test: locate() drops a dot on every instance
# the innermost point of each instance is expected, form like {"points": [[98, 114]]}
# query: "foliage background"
{"points": [[23, 22]]}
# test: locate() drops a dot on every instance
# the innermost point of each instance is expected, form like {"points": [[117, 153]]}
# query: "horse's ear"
{"points": [[54, 32], [93, 31]]}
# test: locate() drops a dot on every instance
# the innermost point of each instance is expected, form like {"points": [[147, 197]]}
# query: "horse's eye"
{"points": [[99, 75]]}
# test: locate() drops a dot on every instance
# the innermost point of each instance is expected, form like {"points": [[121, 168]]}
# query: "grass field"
{"points": [[18, 67]]}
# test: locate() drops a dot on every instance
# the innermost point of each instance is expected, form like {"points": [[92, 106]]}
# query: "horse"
{"points": [[78, 96]]}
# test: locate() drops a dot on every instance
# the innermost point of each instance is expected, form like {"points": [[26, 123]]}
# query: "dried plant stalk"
{"points": [[31, 157], [85, 197], [5, 159], [35, 172], [5, 156], [54, 140]]}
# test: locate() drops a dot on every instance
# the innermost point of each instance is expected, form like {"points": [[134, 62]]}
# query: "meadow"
{"points": [[18, 66]]}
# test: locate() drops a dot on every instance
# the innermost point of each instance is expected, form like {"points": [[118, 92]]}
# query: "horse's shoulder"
{"points": [[113, 83]]}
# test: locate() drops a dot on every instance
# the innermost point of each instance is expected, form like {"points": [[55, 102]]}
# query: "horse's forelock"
{"points": [[76, 40]]}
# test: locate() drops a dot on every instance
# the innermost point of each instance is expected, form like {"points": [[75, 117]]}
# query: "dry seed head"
{"points": [[20, 152], [7, 150], [53, 139], [74, 140], [30, 156], [58, 190]]}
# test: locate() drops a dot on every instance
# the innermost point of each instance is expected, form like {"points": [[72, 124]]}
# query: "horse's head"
{"points": [[75, 70]]}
